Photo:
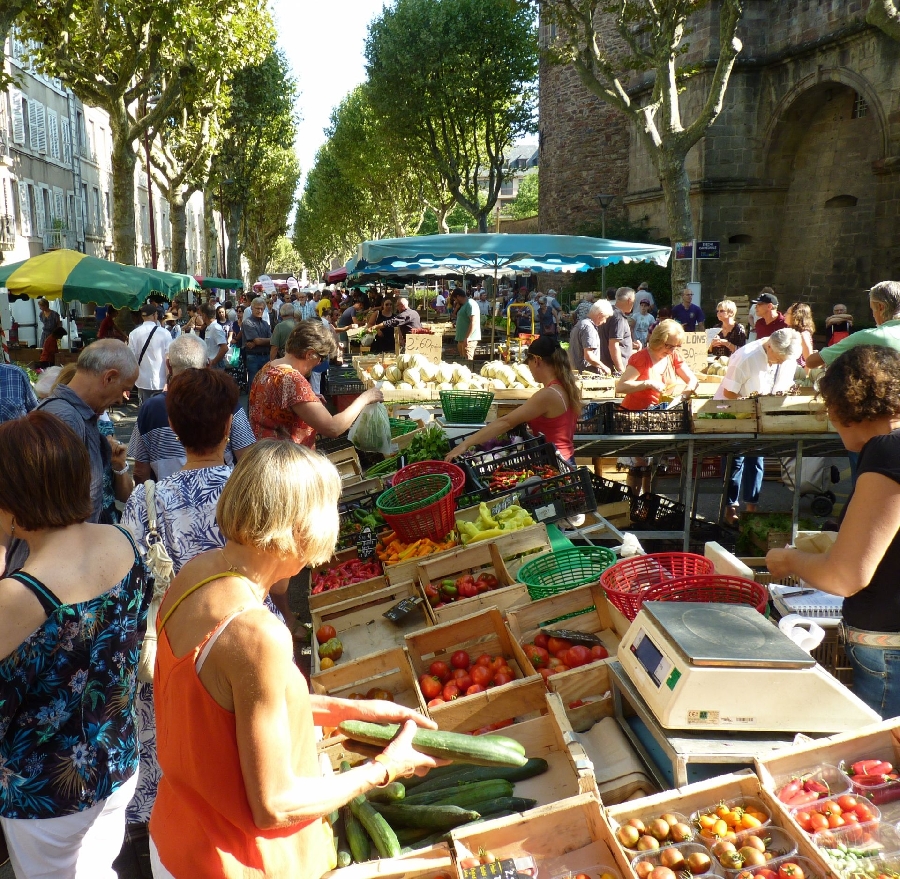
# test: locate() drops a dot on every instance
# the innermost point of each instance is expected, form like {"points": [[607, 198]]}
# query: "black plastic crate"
{"points": [[342, 380], [655, 511], [518, 456], [347, 512], [560, 497], [607, 491], [595, 418], [325, 445], [675, 420]]}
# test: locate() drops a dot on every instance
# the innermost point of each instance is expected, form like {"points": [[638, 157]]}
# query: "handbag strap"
{"points": [[144, 349]]}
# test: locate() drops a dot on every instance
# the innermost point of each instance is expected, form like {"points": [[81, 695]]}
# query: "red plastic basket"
{"points": [[717, 588], [626, 583], [423, 468], [420, 507]]}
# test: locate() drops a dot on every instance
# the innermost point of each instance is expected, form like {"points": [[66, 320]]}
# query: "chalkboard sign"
{"points": [[505, 503], [694, 350], [505, 869], [585, 638], [424, 343], [402, 609], [366, 541]]}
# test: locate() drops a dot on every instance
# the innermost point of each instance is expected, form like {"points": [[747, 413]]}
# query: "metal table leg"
{"points": [[688, 496], [795, 509]]}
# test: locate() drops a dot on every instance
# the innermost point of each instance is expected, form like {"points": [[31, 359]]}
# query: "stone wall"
{"points": [[799, 178]]}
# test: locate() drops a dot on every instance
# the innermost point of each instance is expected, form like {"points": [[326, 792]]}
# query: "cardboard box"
{"points": [[361, 625], [482, 632]]}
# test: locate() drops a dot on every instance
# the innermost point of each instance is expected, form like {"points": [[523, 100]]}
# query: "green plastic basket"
{"points": [[466, 407], [383, 468], [565, 569], [413, 494], [400, 426], [419, 507]]}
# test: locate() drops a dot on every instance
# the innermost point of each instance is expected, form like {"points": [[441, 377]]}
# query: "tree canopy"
{"points": [[456, 81], [525, 204]]}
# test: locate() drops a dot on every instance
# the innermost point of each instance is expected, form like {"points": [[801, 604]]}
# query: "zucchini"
{"points": [[464, 795], [406, 836], [390, 793], [504, 804], [467, 774], [378, 829], [426, 817], [425, 842], [357, 838], [487, 750], [343, 858], [433, 774]]}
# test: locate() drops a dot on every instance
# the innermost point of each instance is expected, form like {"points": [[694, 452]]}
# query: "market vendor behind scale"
{"points": [[861, 390]]}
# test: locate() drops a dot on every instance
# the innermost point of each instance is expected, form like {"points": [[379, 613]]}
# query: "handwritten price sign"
{"points": [[422, 343]]}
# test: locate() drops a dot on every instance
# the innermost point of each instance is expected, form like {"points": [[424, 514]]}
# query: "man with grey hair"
{"points": [[405, 318], [105, 372], [256, 335], [884, 300], [583, 307], [765, 366], [616, 344], [156, 450], [584, 340], [286, 323], [304, 308]]}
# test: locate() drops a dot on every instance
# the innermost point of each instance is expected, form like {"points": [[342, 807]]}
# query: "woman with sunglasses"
{"points": [[283, 404], [732, 335], [552, 411]]}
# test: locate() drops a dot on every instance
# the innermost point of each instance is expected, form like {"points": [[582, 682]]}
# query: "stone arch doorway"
{"points": [[820, 154]]}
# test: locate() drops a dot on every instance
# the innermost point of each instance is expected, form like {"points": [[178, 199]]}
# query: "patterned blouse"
{"points": [[275, 391], [67, 731]]}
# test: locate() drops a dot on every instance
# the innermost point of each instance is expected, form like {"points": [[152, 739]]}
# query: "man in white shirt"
{"points": [[149, 343], [483, 305], [215, 338], [765, 366]]}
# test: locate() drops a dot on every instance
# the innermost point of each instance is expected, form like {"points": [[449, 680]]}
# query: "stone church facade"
{"points": [[799, 177]]}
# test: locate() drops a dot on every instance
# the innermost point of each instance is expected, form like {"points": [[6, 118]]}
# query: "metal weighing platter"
{"points": [[725, 636]]}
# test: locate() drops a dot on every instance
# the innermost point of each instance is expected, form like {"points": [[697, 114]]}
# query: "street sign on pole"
{"points": [[705, 250]]}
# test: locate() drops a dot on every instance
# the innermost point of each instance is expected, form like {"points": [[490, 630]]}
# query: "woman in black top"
{"points": [[731, 335], [862, 394]]}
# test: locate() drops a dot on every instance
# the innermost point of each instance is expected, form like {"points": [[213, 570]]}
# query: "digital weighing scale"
{"points": [[700, 666]]}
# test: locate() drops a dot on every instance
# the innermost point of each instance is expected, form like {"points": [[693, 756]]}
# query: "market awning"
{"points": [[337, 275], [220, 283]]}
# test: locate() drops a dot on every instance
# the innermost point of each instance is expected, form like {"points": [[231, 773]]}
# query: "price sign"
{"points": [[694, 351], [423, 343], [402, 609], [366, 541]]}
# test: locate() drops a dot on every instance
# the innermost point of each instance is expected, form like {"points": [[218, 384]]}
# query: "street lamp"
{"points": [[605, 201]]}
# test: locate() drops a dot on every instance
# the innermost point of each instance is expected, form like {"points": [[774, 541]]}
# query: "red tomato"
{"points": [[546, 672], [468, 589], [440, 670], [498, 662], [829, 807], [500, 678], [473, 689], [789, 870], [537, 656], [766, 873], [431, 686], [864, 812], [485, 659], [803, 819], [464, 578], [435, 702], [577, 655], [599, 652], [817, 821], [577, 704], [847, 802], [554, 661], [480, 675], [450, 692], [554, 645], [836, 821], [464, 682], [540, 640], [458, 673], [460, 659], [560, 668], [850, 818], [489, 580], [325, 633]]}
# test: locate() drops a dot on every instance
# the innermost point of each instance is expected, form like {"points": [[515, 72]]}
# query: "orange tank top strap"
{"points": [[162, 623]]}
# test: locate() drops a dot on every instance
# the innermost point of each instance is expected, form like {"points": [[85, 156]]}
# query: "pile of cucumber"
{"points": [[420, 811]]}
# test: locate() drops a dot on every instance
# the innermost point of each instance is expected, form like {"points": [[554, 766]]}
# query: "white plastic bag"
{"points": [[371, 432]]}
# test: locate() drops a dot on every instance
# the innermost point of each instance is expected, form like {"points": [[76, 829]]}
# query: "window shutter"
{"points": [[25, 209], [40, 216], [59, 205], [66, 140], [33, 124], [79, 218], [53, 133], [41, 117], [18, 118]]}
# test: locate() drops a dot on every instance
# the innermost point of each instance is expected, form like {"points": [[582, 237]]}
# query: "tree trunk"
{"points": [[124, 161], [676, 188], [233, 226], [211, 245], [178, 220], [441, 214], [482, 221]]}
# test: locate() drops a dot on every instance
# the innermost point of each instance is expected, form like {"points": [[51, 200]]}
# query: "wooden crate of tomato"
{"points": [[480, 642]]}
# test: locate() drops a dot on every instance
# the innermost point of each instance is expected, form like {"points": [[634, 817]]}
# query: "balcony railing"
{"points": [[95, 230], [57, 239], [7, 232]]}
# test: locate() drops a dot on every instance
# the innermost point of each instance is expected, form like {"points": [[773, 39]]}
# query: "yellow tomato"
{"points": [[326, 662]]}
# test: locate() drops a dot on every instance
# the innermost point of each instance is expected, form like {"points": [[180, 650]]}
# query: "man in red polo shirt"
{"points": [[769, 318]]}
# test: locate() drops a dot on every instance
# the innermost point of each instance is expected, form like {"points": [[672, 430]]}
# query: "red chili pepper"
{"points": [[865, 767], [801, 799]]}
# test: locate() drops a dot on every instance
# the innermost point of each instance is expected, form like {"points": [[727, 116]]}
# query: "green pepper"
{"points": [[448, 587]]}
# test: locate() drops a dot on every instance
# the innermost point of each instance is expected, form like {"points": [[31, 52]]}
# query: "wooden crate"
{"points": [[335, 596], [519, 701], [794, 415], [707, 794], [387, 670], [361, 625], [569, 835], [482, 632], [347, 463], [405, 571], [589, 684], [518, 546], [428, 863], [744, 412]]}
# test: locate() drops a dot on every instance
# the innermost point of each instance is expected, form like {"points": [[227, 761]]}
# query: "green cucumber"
{"points": [[425, 842], [426, 817], [389, 793], [378, 829], [467, 774], [505, 804], [357, 838], [433, 774], [406, 836], [487, 750], [343, 858], [464, 795]]}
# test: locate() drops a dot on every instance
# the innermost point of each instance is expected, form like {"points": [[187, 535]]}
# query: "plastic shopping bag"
{"points": [[371, 432]]}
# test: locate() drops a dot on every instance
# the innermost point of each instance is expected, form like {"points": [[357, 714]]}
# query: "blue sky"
{"points": [[324, 42]]}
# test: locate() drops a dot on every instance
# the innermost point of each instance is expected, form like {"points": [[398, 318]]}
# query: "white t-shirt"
{"points": [[152, 374], [439, 301], [749, 372], [214, 337]]}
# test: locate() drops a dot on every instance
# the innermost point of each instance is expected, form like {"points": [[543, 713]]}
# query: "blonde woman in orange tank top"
{"points": [[241, 793]]}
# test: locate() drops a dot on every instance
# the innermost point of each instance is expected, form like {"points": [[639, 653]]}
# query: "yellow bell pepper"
{"points": [[487, 535]]}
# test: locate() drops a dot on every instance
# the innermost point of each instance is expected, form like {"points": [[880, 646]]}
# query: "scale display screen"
{"points": [[651, 658]]}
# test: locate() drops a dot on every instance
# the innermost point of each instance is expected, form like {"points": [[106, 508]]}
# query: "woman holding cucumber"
{"points": [[241, 793]]}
